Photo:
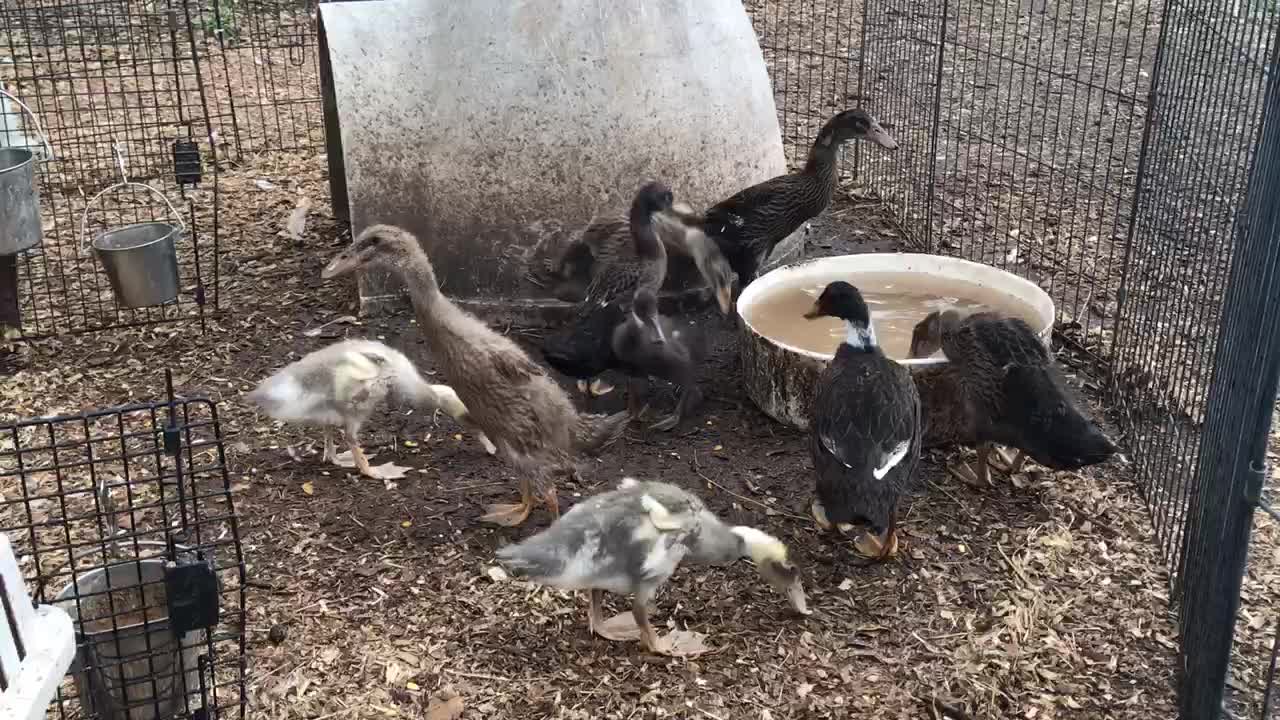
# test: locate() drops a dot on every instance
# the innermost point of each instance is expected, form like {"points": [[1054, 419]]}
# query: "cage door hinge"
{"points": [[187, 165]]}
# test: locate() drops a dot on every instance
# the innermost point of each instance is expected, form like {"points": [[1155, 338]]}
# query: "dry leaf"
{"points": [[450, 709], [308, 488], [297, 222], [684, 643], [496, 574]]}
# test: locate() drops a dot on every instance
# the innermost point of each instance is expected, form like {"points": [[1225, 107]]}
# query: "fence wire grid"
{"points": [[99, 507]]}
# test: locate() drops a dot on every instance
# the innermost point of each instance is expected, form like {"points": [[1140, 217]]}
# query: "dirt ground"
{"points": [[1040, 599]]}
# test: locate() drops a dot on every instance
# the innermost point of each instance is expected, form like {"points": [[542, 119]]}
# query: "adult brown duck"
{"points": [[512, 399], [999, 385], [748, 225]]}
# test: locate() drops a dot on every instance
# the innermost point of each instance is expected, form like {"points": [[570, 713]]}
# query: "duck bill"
{"points": [[878, 135], [660, 337], [814, 312], [788, 583], [344, 263]]}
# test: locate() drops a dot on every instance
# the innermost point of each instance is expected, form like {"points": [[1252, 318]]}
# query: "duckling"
{"points": [[630, 540], [1000, 386], [865, 430], [511, 398], [603, 242], [748, 225], [340, 386], [581, 350], [647, 344]]}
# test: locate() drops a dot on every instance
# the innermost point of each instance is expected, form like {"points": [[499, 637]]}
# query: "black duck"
{"points": [[646, 345], [865, 429]]}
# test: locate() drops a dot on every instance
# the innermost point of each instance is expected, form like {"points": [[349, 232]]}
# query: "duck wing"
{"points": [[995, 340]]}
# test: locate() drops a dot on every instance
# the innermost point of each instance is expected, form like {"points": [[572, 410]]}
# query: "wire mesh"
{"points": [[104, 510], [107, 80]]}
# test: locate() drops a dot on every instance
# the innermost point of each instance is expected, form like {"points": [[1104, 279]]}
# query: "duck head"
{"points": [[770, 557], [720, 275], [926, 336], [652, 197], [644, 310], [842, 300], [858, 125], [375, 245]]}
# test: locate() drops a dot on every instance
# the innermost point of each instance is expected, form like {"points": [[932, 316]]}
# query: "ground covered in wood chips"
{"points": [[1039, 598]]}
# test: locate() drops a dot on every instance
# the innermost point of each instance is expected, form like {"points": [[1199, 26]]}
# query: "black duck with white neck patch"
{"points": [[865, 431]]}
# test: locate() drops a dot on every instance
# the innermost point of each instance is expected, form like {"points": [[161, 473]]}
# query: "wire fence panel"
{"points": [[1230, 474], [117, 86], [124, 518]]}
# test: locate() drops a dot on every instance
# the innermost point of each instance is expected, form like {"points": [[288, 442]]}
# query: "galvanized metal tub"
{"points": [[141, 260], [19, 201], [138, 669]]}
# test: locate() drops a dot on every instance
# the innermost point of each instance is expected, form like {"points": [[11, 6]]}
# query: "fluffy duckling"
{"points": [[340, 386], [1004, 385], [865, 431], [647, 344], [630, 540], [517, 404], [748, 225]]}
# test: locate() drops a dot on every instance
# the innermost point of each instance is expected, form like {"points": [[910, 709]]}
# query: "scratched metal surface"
{"points": [[496, 129]]}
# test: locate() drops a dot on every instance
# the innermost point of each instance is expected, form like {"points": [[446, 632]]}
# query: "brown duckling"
{"points": [[1000, 386], [865, 428], [512, 399], [647, 344], [748, 225]]}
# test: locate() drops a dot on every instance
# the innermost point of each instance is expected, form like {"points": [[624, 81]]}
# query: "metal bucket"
{"points": [[136, 670], [141, 260], [19, 200]]}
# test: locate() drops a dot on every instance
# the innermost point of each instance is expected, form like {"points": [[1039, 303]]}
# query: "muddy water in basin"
{"points": [[897, 300]]}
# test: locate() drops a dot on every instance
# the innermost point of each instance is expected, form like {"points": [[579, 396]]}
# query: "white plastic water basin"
{"points": [[780, 377]]}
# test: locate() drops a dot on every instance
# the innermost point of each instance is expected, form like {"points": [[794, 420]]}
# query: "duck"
{"points": [[340, 385], [749, 224], [629, 540], [1000, 385], [603, 242], [647, 344], [581, 349], [865, 430], [508, 396]]}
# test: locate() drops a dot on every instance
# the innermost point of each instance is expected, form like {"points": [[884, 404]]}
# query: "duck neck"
{"points": [[717, 543], [822, 164], [860, 337], [424, 290], [645, 236]]}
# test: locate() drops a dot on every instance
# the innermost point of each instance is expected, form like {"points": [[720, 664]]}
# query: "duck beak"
{"points": [[814, 312], [878, 135], [788, 583], [345, 262], [724, 296]]}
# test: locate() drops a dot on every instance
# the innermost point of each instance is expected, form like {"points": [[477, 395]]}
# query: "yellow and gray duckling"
{"points": [[342, 384], [514, 400], [630, 540], [865, 429], [1000, 385]]}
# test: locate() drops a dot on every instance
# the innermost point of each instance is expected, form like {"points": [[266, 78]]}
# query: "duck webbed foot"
{"points": [[619, 628], [965, 474], [873, 548], [1010, 466], [511, 515]]}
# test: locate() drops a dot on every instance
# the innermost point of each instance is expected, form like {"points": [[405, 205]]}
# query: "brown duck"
{"points": [[748, 225], [508, 396], [999, 385]]}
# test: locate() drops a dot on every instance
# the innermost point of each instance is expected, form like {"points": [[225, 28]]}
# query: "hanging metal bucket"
{"points": [[19, 199], [125, 668], [141, 260]]}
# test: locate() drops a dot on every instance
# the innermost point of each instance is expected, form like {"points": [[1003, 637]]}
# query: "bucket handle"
{"points": [[84, 216], [39, 128]]}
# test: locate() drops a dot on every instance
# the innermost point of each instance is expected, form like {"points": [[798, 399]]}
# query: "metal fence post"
{"points": [[1233, 459]]}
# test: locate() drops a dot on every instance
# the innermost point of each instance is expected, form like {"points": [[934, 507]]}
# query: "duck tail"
{"points": [[595, 432]]}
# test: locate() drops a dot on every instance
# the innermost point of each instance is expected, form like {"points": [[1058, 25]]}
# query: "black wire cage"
{"points": [[124, 518]]}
